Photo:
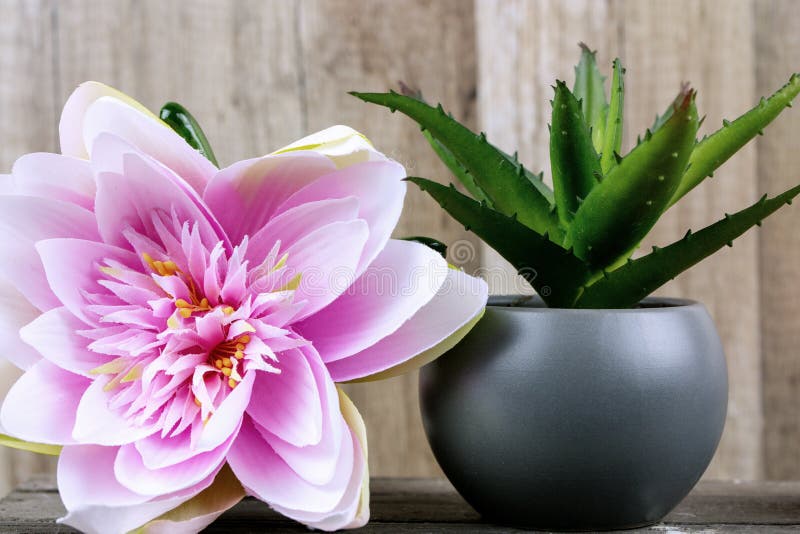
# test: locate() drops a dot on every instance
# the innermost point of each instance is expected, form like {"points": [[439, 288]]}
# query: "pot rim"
{"points": [[535, 304]]}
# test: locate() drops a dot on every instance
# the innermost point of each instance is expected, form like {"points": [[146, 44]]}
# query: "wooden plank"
{"points": [[708, 44], [420, 505], [28, 117], [370, 47], [778, 50]]}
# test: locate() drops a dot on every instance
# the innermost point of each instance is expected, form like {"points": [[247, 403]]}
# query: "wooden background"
{"points": [[260, 74]]}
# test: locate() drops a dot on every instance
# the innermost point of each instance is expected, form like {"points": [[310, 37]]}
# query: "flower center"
{"points": [[225, 354]]}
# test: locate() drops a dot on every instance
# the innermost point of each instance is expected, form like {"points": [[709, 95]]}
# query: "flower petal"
{"points": [[201, 510], [54, 335], [109, 115], [41, 405], [96, 423], [26, 220], [401, 280], [288, 403], [132, 187], [54, 176], [95, 500], [380, 191], [296, 223], [70, 128], [225, 421], [267, 476], [315, 462], [326, 260], [245, 195], [131, 472], [73, 268], [434, 329], [15, 312], [353, 510], [342, 144]]}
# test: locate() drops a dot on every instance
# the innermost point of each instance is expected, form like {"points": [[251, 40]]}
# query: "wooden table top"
{"points": [[432, 505]]}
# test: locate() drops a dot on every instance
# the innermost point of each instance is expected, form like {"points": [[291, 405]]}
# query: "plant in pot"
{"points": [[593, 406]]}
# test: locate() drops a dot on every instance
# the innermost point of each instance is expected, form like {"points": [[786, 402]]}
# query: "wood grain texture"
{"points": [[778, 50], [29, 107], [432, 505], [667, 43]]}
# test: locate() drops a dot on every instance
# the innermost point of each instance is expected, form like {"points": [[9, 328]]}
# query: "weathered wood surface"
{"points": [[432, 505], [262, 73]]}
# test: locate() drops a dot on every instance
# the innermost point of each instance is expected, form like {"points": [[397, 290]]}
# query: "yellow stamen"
{"points": [[227, 362], [228, 310], [134, 374], [226, 371], [218, 364], [114, 366], [172, 322], [180, 303], [185, 312], [245, 339], [232, 383], [292, 284], [240, 346], [238, 355], [197, 401], [281, 263]]}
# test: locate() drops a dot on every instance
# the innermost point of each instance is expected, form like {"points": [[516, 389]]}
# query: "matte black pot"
{"points": [[578, 419]]}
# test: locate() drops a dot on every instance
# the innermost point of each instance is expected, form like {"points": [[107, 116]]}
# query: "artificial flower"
{"points": [[182, 328]]}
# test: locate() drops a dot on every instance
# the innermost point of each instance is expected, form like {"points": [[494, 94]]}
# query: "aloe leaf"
{"points": [[626, 286], [590, 91], [184, 124], [552, 271], [573, 160], [612, 143], [429, 242], [622, 208], [536, 179], [458, 170], [492, 171], [715, 149]]}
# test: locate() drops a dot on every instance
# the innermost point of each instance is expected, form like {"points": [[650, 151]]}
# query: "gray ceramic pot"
{"points": [[578, 419]]}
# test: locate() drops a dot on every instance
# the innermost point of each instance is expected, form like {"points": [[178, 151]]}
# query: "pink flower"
{"points": [[182, 327]]}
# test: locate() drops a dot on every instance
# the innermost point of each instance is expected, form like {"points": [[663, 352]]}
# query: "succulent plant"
{"points": [[574, 243]]}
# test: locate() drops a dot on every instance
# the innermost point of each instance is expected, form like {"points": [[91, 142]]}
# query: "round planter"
{"points": [[578, 419]]}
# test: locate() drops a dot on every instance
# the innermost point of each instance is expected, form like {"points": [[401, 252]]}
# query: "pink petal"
{"points": [[41, 405], [327, 260], [15, 312], [109, 115], [460, 300], [245, 195], [95, 500], [379, 188], [23, 222], [228, 416], [315, 462], [97, 423], [56, 177], [288, 403], [131, 472], [401, 280], [267, 476], [73, 268], [296, 223], [70, 127], [54, 335], [132, 188]]}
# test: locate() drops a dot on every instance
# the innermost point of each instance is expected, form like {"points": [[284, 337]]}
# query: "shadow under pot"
{"points": [[577, 419]]}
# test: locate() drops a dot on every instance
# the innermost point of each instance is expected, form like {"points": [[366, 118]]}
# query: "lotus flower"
{"points": [[182, 328]]}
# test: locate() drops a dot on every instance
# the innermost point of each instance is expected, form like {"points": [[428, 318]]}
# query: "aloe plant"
{"points": [[574, 243]]}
